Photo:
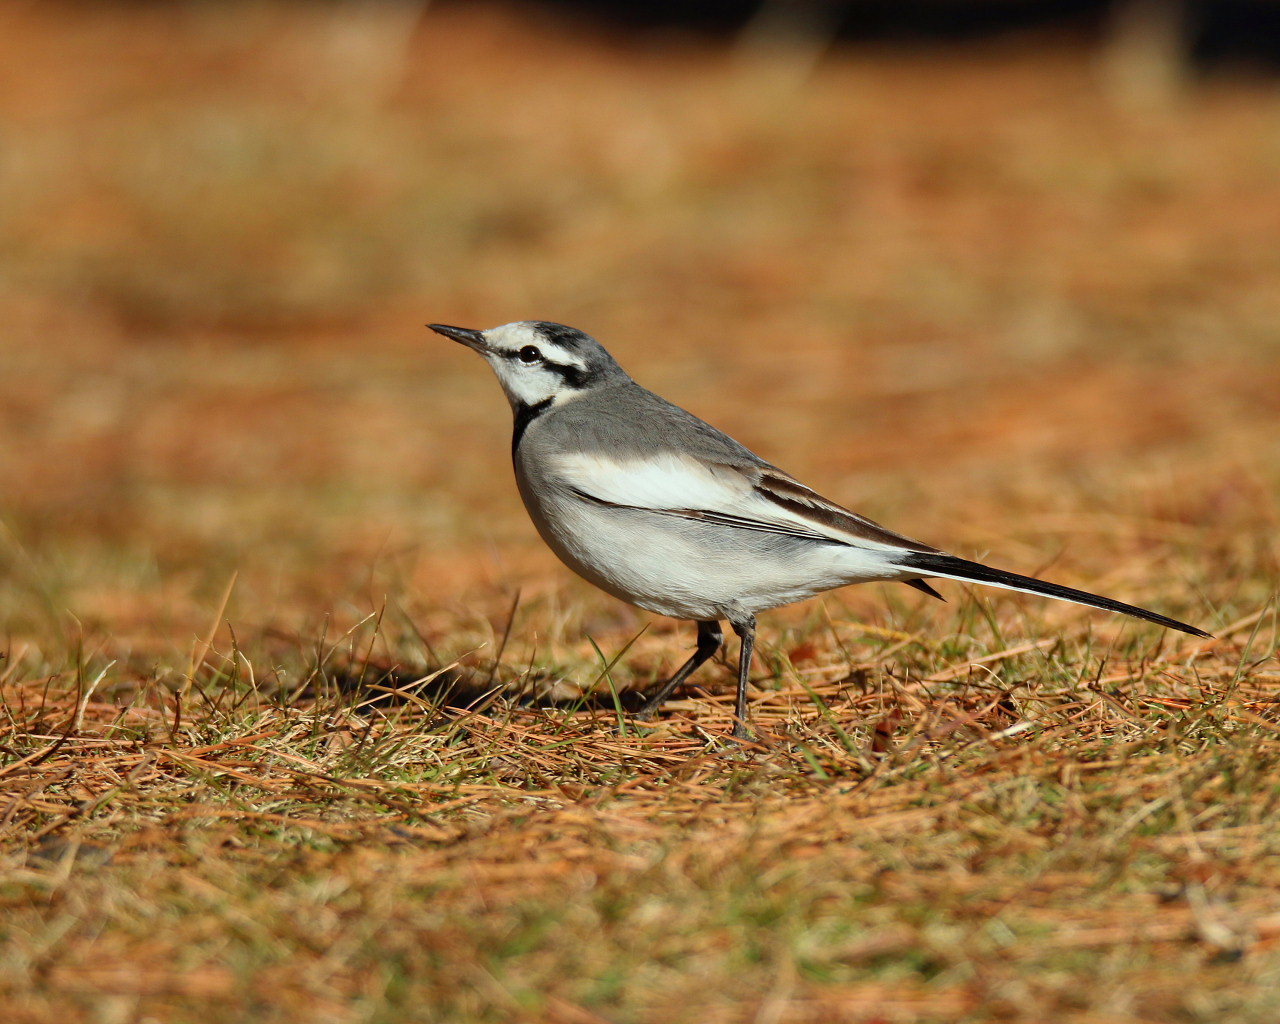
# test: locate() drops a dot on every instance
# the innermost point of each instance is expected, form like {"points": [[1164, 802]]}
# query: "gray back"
{"points": [[628, 420]]}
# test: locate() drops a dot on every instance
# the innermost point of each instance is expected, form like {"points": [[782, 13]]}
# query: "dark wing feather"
{"points": [[788, 493], [924, 588]]}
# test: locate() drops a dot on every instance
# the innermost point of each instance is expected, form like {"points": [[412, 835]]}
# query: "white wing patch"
{"points": [[669, 484], [661, 482]]}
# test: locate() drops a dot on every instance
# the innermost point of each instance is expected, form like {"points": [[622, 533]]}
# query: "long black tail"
{"points": [[949, 567]]}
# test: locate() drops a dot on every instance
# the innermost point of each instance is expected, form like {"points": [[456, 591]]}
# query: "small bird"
{"points": [[664, 511]]}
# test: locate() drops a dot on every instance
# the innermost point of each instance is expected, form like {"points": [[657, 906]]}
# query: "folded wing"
{"points": [[762, 497], [751, 497]]}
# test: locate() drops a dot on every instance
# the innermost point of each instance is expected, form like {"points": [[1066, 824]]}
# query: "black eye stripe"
{"points": [[572, 374]]}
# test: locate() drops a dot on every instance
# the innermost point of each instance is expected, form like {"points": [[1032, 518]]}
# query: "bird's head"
{"points": [[540, 363]]}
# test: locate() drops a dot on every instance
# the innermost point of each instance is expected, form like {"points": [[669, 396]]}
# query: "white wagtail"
{"points": [[664, 511]]}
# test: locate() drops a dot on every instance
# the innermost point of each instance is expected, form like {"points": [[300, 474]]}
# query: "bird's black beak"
{"points": [[472, 339]]}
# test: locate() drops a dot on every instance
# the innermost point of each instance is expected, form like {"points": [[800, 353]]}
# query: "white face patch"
{"points": [[511, 338], [530, 367]]}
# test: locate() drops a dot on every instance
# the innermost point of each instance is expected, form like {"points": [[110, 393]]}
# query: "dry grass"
{"points": [[261, 560]]}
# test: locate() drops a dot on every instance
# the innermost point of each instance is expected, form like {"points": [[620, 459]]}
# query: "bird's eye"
{"points": [[529, 354]]}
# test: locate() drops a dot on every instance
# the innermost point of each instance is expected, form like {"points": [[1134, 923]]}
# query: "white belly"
{"points": [[689, 569]]}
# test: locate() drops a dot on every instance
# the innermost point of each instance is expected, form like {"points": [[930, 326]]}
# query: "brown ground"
{"points": [[967, 292]]}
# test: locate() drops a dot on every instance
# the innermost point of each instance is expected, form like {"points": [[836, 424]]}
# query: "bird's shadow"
{"points": [[456, 689]]}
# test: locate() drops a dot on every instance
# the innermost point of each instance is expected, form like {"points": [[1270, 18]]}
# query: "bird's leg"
{"points": [[746, 630], [709, 640]]}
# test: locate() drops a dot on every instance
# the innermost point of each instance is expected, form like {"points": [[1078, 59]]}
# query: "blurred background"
{"points": [[1003, 274]]}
